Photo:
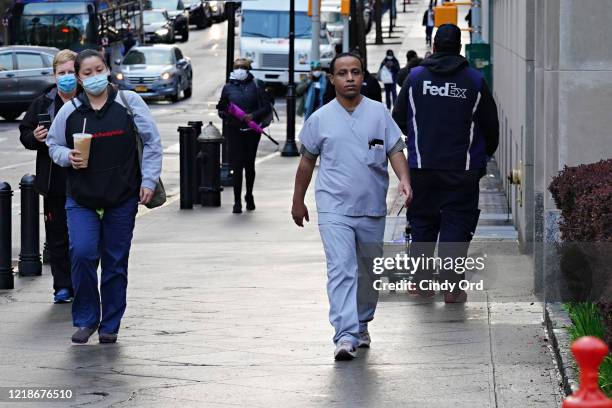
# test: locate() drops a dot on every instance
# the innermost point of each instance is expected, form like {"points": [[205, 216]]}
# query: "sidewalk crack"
{"points": [[493, 370]]}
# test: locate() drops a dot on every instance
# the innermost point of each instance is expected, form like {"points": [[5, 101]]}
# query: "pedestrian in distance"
{"points": [[428, 23], [50, 178], [250, 95], [95, 137], [412, 60], [387, 74], [446, 109], [354, 137], [311, 91]]}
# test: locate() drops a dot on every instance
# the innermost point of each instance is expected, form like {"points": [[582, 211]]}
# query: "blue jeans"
{"points": [[350, 244], [106, 241]]}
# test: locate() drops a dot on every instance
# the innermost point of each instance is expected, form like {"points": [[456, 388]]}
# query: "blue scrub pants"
{"points": [[350, 244], [106, 241]]}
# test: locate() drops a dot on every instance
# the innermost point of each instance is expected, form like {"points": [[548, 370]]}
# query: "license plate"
{"points": [[140, 88]]}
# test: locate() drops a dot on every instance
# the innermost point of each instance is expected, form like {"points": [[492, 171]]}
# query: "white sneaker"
{"points": [[345, 351], [364, 340]]}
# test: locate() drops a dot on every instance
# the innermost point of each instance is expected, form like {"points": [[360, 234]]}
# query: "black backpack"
{"points": [[268, 119]]}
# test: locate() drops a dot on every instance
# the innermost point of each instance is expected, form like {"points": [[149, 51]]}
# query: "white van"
{"points": [[264, 39], [331, 20]]}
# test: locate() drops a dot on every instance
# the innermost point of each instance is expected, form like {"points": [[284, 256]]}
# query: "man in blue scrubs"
{"points": [[353, 136]]}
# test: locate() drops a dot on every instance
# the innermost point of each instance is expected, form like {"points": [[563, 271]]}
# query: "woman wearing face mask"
{"points": [[311, 91], [387, 74], [103, 191], [250, 96], [50, 178]]}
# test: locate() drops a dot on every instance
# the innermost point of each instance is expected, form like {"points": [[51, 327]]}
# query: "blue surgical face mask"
{"points": [[66, 83], [95, 85]]}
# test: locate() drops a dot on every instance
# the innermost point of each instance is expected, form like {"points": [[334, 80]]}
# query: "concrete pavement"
{"points": [[227, 310]]}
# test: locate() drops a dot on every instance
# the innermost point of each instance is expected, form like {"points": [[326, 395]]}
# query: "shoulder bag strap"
{"points": [[139, 145]]}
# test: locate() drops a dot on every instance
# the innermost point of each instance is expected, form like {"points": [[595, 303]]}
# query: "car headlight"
{"points": [[119, 76], [162, 31], [166, 76], [327, 55], [303, 58]]}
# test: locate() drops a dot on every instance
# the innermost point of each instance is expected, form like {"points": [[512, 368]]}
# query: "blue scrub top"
{"points": [[353, 179]]}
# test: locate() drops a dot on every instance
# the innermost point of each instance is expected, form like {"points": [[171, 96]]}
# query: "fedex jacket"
{"points": [[113, 174], [448, 114]]}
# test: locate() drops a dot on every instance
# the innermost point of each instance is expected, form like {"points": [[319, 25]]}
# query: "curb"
{"points": [[557, 320]]}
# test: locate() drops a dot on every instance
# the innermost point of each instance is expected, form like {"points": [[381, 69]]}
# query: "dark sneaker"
{"points": [[82, 335], [107, 338], [62, 296], [455, 297], [237, 208], [364, 340], [345, 351], [250, 202]]}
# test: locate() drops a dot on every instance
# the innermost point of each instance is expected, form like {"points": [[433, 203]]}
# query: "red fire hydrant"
{"points": [[589, 353]]}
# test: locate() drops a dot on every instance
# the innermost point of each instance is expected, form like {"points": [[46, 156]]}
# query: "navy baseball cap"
{"points": [[448, 38]]}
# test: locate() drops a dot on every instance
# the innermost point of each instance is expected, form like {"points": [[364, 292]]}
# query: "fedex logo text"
{"points": [[449, 89]]}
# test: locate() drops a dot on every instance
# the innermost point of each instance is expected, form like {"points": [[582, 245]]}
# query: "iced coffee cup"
{"points": [[82, 143]]}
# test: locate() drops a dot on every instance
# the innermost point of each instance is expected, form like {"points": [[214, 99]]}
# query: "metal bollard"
{"points": [[186, 136], [197, 125], [29, 258], [6, 267], [210, 165]]}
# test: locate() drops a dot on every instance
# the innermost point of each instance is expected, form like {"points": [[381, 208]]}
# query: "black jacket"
{"points": [[404, 72], [447, 111], [249, 95], [50, 178], [370, 88]]}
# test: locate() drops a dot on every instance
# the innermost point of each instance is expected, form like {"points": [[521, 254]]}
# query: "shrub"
{"points": [[584, 196]]}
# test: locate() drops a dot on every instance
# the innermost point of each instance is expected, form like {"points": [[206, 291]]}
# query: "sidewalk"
{"points": [[231, 311], [228, 310]]}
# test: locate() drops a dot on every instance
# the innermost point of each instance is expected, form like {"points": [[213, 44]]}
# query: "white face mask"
{"points": [[316, 74], [240, 74]]}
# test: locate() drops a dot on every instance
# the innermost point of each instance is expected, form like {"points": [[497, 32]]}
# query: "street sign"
{"points": [[445, 15], [345, 7]]}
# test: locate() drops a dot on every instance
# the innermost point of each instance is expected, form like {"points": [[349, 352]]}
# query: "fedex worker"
{"points": [[354, 137], [446, 109]]}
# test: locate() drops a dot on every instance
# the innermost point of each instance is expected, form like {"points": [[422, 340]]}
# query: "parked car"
{"points": [[178, 15], [218, 10], [155, 71], [200, 13], [25, 73], [158, 27]]}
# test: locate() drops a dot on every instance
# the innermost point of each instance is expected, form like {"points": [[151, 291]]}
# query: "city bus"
{"points": [[72, 24]]}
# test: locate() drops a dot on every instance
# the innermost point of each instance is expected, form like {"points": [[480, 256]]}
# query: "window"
{"points": [[6, 61], [274, 24], [29, 61], [178, 54], [148, 56]]}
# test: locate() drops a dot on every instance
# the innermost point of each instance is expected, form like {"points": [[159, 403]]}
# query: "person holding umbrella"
{"points": [[244, 91]]}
